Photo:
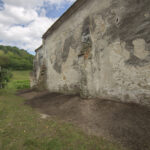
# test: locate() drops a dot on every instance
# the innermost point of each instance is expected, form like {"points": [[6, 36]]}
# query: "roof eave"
{"points": [[64, 17], [38, 48]]}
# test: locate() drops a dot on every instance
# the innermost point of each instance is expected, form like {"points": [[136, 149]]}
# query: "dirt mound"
{"points": [[128, 124]]}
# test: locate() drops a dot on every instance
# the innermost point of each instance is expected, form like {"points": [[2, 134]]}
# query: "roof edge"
{"points": [[64, 17], [38, 48]]}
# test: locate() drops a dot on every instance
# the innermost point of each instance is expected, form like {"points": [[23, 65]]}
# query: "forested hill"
{"points": [[15, 58]]}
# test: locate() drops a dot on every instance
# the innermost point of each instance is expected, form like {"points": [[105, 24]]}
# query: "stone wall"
{"points": [[101, 50], [38, 63]]}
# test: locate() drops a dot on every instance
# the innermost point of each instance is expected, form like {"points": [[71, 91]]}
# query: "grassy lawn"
{"points": [[21, 75], [21, 127], [20, 80]]}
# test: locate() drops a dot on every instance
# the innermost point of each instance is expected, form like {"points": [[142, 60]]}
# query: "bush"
{"points": [[5, 76]]}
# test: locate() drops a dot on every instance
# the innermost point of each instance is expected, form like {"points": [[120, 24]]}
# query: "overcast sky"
{"points": [[23, 22]]}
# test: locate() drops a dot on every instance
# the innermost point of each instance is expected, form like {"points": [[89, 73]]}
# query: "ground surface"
{"points": [[20, 79], [128, 124], [23, 128]]}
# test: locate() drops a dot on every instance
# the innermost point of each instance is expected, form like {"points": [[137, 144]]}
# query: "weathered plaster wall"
{"points": [[38, 62], [102, 50]]}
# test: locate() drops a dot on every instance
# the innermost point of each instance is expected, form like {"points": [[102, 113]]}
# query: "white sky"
{"points": [[23, 22]]}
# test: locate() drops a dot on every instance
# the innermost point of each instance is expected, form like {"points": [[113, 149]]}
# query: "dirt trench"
{"points": [[128, 124]]}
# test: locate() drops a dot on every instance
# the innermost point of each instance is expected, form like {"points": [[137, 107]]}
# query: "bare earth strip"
{"points": [[128, 124]]}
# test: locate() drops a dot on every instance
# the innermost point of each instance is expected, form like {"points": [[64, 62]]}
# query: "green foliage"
{"points": [[5, 76], [15, 58]]}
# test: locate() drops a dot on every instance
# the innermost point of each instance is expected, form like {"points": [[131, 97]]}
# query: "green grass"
{"points": [[21, 75], [21, 128], [20, 80]]}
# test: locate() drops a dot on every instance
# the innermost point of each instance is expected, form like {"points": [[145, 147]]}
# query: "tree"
{"points": [[15, 58]]}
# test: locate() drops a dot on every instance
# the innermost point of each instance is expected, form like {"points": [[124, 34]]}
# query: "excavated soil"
{"points": [[128, 124]]}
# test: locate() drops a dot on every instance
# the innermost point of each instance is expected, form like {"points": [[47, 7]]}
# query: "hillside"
{"points": [[15, 58]]}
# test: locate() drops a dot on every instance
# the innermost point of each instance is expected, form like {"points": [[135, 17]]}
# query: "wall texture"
{"points": [[101, 49]]}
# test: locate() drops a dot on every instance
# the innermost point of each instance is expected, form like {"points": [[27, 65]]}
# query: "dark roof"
{"points": [[38, 48], [64, 17]]}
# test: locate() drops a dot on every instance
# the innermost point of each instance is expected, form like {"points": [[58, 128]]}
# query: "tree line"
{"points": [[15, 58]]}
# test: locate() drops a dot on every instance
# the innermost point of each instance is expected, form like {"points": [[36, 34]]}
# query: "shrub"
{"points": [[5, 76]]}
